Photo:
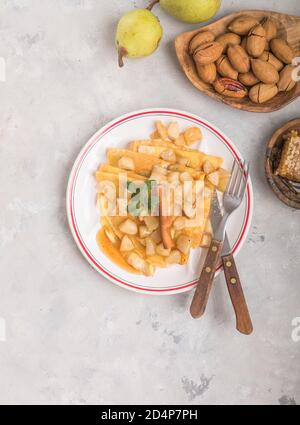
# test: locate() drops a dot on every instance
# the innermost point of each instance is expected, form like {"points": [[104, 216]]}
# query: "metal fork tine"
{"points": [[239, 178], [233, 195], [232, 180], [229, 181], [245, 180], [237, 174]]}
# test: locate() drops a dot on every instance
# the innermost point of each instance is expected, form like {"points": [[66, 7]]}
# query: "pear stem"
{"points": [[122, 52], [152, 4]]}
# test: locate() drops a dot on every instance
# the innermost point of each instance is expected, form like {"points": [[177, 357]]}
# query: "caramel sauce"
{"points": [[112, 252]]}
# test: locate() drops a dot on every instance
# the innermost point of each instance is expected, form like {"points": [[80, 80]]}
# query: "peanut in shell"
{"points": [[248, 79], [256, 41], [262, 93], [270, 28], [200, 38], [242, 25], [208, 53], [264, 71], [225, 68], [227, 39], [270, 58], [286, 81], [207, 73], [282, 50], [239, 58]]}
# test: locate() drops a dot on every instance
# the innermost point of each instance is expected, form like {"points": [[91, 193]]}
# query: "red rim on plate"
{"points": [[72, 183]]}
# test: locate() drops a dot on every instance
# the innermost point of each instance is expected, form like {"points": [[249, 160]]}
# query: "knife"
{"points": [[244, 324], [212, 259], [243, 319]]}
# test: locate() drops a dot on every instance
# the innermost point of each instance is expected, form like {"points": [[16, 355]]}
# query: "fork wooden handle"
{"points": [[243, 319], [204, 286]]}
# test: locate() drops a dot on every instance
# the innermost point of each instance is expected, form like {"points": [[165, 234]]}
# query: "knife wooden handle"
{"points": [[204, 286], [243, 319]]}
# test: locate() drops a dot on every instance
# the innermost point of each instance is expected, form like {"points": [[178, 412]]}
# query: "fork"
{"points": [[232, 199]]}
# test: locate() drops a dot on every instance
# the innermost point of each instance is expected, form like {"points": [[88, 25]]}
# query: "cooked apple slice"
{"points": [[129, 227], [173, 130], [143, 163], [184, 244], [213, 178], [126, 244], [126, 163]]}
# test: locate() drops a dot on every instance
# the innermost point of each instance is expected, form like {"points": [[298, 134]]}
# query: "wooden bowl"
{"points": [[288, 28], [288, 192]]}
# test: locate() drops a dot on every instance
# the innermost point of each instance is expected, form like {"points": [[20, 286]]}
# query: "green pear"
{"points": [[138, 34], [191, 11]]}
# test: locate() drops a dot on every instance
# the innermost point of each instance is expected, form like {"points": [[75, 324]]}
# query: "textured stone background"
{"points": [[71, 336]]}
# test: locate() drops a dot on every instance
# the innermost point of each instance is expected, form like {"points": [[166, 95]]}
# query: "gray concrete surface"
{"points": [[69, 336]]}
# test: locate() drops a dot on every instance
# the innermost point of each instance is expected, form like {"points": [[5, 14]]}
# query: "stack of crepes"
{"points": [[145, 233]]}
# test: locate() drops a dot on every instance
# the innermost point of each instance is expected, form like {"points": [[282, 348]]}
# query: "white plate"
{"points": [[83, 214]]}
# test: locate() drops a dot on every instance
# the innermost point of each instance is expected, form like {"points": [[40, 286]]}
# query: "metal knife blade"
{"points": [[216, 217], [216, 213], [226, 247]]}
